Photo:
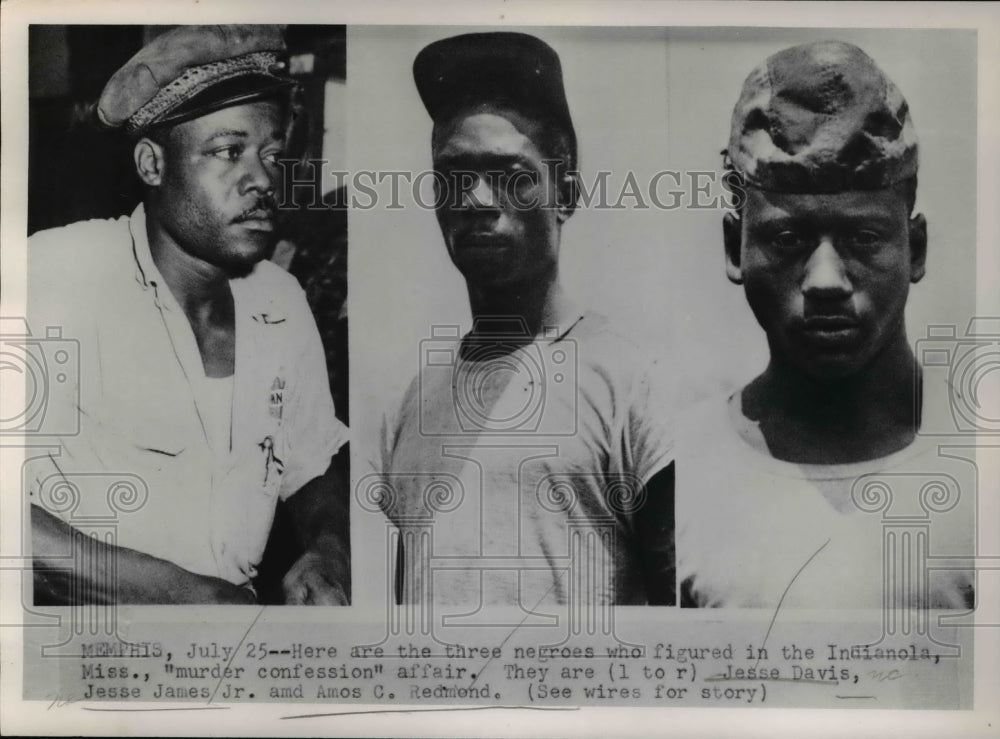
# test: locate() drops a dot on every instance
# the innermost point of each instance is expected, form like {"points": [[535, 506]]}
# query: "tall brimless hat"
{"points": [[820, 118]]}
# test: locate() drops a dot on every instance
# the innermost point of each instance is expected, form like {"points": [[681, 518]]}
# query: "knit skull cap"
{"points": [[821, 118], [193, 70]]}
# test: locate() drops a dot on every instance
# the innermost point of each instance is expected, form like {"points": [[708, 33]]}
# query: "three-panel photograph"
{"points": [[451, 354]]}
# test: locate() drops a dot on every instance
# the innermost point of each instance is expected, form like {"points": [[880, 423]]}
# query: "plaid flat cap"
{"points": [[192, 70]]}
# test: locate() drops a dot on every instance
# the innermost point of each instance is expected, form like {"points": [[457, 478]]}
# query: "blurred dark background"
{"points": [[79, 170]]}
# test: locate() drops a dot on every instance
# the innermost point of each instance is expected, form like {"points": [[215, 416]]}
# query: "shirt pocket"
{"points": [[144, 442]]}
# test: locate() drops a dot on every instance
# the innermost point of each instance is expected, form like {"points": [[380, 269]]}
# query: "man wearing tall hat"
{"points": [[792, 491], [531, 462], [203, 394]]}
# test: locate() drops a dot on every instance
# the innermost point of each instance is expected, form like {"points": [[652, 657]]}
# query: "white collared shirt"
{"points": [[145, 409]]}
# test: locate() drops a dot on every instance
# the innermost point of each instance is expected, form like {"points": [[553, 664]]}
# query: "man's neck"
{"points": [[534, 306], [869, 415], [203, 292], [199, 287]]}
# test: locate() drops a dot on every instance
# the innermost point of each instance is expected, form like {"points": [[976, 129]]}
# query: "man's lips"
{"points": [[830, 329], [481, 240], [259, 219], [829, 323]]}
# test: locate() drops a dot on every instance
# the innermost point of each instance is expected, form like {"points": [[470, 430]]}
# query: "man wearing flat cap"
{"points": [[202, 380], [536, 447], [784, 483]]}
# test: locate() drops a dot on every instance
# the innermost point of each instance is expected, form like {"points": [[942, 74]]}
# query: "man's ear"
{"points": [[732, 236], [149, 160], [918, 247], [568, 193]]}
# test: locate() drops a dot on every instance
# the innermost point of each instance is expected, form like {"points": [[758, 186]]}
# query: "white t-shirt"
{"points": [[217, 412], [515, 478], [754, 531]]}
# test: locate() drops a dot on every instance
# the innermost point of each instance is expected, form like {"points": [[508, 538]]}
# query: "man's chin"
{"points": [[826, 358], [478, 276], [244, 264], [480, 267], [247, 258], [242, 269], [831, 368]]}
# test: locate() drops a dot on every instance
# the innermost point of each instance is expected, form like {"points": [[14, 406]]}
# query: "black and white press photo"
{"points": [[207, 309], [811, 471], [510, 365], [525, 450]]}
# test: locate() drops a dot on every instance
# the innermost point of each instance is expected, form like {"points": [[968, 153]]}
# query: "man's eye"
{"points": [[520, 178], [788, 240], [273, 157], [865, 239], [444, 177], [228, 153]]}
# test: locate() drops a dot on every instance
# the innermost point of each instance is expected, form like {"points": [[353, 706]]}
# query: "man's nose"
{"points": [[480, 195], [258, 176], [826, 274]]}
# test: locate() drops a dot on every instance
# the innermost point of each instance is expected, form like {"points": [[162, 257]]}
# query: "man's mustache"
{"points": [[264, 209]]}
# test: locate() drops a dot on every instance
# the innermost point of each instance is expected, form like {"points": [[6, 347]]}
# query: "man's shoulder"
{"points": [[277, 290], [72, 266], [604, 343], [268, 274], [79, 234], [609, 354], [598, 329], [76, 243], [702, 423]]}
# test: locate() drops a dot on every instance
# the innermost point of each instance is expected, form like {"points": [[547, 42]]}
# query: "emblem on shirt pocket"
{"points": [[276, 398]]}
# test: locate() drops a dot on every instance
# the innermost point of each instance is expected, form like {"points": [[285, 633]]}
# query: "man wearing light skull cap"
{"points": [[776, 487], [202, 378]]}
